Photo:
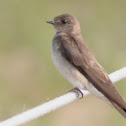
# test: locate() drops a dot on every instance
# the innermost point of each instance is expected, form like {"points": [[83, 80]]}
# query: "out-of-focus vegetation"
{"points": [[27, 74]]}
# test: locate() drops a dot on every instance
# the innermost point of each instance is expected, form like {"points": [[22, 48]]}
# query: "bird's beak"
{"points": [[50, 22]]}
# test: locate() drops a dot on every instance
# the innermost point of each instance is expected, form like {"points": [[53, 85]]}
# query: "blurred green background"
{"points": [[27, 74]]}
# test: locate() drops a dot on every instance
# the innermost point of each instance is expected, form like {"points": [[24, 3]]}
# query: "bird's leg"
{"points": [[78, 92]]}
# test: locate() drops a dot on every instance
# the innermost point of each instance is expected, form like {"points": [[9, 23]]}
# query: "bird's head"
{"points": [[65, 23]]}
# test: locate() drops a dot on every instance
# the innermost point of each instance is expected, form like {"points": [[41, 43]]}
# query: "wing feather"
{"points": [[77, 53]]}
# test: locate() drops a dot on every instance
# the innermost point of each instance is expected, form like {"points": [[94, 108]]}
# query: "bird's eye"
{"points": [[64, 21]]}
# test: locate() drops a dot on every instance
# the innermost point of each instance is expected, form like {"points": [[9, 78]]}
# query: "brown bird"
{"points": [[77, 64]]}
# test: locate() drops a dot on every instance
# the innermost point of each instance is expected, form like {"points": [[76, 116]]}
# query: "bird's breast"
{"points": [[68, 71], [71, 73]]}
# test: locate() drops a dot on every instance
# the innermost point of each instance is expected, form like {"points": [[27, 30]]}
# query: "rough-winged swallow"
{"points": [[77, 64]]}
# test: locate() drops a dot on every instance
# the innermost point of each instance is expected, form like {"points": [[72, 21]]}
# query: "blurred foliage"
{"points": [[27, 74]]}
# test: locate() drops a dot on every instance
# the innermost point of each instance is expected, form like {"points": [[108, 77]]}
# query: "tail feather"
{"points": [[121, 110]]}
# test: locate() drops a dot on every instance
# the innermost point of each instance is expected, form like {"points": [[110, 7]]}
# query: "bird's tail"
{"points": [[120, 109]]}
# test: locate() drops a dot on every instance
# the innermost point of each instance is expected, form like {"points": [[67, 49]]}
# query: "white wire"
{"points": [[118, 75], [54, 104]]}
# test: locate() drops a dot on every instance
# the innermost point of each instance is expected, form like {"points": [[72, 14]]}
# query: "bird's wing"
{"points": [[77, 53]]}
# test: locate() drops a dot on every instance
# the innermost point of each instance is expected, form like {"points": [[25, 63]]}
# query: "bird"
{"points": [[78, 65]]}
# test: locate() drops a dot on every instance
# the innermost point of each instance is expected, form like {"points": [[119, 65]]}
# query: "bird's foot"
{"points": [[78, 92]]}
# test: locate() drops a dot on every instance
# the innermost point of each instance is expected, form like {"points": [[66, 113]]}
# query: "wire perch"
{"points": [[56, 103]]}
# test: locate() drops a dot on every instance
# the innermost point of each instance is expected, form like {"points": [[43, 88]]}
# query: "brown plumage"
{"points": [[73, 49]]}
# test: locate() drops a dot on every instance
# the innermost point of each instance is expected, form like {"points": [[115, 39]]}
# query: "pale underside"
{"points": [[71, 73]]}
